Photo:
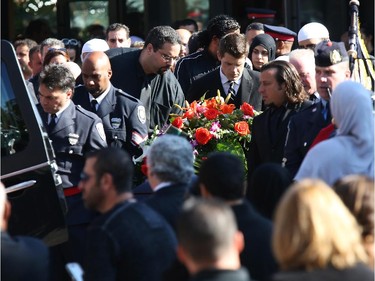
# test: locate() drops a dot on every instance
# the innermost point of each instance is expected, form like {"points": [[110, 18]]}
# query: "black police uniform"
{"points": [[165, 91], [123, 118], [76, 133]]}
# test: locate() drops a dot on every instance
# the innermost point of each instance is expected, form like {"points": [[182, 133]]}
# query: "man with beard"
{"points": [[146, 75], [129, 240], [123, 116]]}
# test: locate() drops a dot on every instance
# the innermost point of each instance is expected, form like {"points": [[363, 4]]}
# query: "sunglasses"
{"points": [[70, 42], [85, 177]]}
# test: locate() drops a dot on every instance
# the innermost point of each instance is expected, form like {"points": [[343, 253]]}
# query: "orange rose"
{"points": [[211, 113], [227, 108], [247, 109], [177, 122], [189, 114], [202, 135], [211, 103], [242, 128]]}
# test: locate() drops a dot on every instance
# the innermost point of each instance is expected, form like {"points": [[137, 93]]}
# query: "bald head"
{"points": [[184, 35], [96, 73]]}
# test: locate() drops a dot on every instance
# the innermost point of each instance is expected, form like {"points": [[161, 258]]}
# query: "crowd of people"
{"points": [[302, 208]]}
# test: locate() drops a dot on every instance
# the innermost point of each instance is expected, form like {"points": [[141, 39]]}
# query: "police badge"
{"points": [[142, 114], [73, 138], [335, 57], [115, 122]]}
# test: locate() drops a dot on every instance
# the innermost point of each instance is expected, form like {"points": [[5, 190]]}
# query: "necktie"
{"points": [[94, 103], [325, 111], [231, 90], [52, 122]]}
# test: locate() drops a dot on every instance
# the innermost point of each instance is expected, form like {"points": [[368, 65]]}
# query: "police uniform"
{"points": [[305, 127], [123, 116], [164, 90], [76, 133], [280, 32]]}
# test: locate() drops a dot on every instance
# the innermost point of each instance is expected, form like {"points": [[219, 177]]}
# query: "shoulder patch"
{"points": [[100, 129], [141, 114]]}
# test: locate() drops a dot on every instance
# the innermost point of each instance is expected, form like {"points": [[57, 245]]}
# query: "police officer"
{"points": [[123, 116], [73, 131]]}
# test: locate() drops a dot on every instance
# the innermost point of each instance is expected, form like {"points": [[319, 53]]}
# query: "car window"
{"points": [[14, 134]]}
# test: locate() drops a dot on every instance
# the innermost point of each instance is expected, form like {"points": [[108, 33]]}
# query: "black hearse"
{"points": [[28, 168]]}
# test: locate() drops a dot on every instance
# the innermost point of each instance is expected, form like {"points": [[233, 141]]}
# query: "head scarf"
{"points": [[265, 41], [351, 151]]}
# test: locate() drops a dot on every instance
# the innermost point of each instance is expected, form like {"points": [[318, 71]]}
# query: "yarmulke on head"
{"points": [[313, 30], [328, 53]]}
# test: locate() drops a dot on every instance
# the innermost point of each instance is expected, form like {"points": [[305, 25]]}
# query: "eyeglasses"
{"points": [[70, 42], [167, 58], [85, 177], [57, 49]]}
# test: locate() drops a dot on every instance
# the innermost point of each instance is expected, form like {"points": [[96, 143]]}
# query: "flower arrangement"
{"points": [[210, 125], [215, 125]]}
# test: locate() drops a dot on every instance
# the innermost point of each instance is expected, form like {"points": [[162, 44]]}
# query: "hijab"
{"points": [[351, 151], [267, 42]]}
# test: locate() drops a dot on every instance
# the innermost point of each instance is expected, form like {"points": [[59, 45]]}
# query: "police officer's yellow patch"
{"points": [[100, 129], [141, 114]]}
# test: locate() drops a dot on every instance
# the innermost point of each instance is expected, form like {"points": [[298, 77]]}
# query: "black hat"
{"points": [[280, 32], [328, 53]]}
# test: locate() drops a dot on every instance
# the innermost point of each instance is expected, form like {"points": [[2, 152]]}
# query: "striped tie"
{"points": [[231, 90]]}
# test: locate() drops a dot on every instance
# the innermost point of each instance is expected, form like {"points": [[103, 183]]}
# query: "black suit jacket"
{"points": [[168, 201], [23, 258], [210, 83], [257, 255], [262, 149], [302, 130]]}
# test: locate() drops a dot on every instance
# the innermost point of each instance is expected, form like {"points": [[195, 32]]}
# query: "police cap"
{"points": [[280, 32], [328, 53]]}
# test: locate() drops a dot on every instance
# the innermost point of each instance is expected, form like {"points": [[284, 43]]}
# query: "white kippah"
{"points": [[94, 45], [313, 30]]}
